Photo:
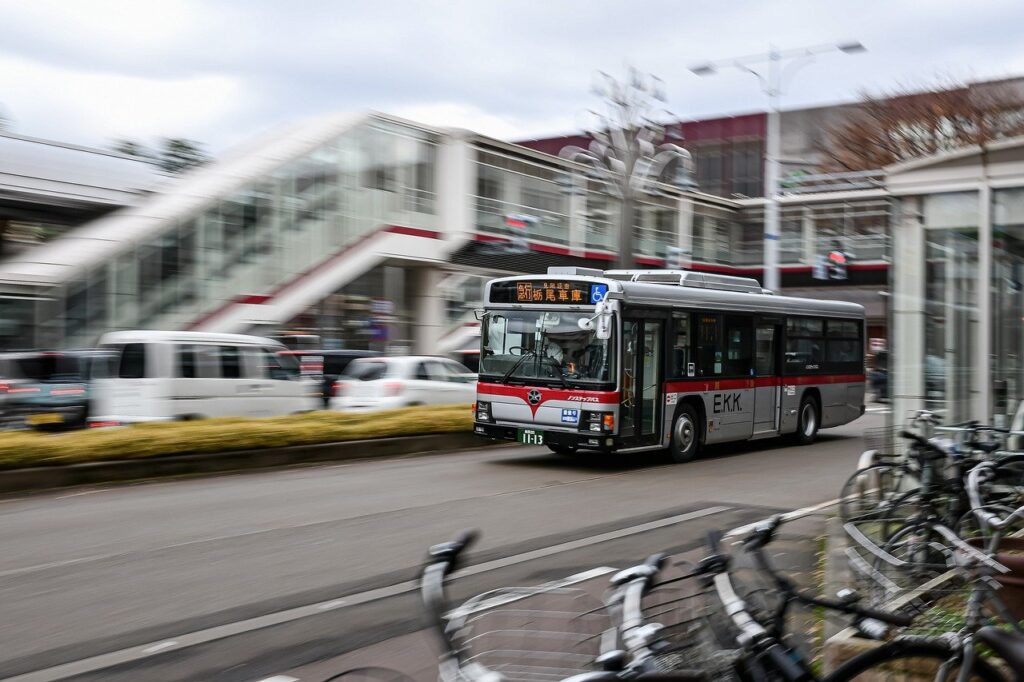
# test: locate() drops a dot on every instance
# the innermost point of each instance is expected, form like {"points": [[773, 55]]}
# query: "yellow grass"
{"points": [[26, 449]]}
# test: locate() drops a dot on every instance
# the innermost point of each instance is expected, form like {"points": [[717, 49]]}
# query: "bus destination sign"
{"points": [[550, 292]]}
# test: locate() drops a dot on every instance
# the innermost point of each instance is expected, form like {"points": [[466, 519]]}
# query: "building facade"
{"points": [[375, 232]]}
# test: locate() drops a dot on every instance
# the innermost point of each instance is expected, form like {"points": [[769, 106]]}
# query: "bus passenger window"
{"points": [[738, 347], [680, 345], [709, 348]]}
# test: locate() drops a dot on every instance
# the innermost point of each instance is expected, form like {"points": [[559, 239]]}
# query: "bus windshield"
{"points": [[544, 345]]}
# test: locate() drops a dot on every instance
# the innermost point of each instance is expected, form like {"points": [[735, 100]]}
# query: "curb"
{"points": [[44, 478]]}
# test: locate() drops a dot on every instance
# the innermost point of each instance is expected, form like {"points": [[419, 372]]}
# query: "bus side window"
{"points": [[681, 348], [805, 345], [709, 347], [738, 351]]}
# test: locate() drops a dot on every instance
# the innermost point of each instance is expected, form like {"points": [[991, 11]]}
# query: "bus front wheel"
{"points": [[685, 435], [808, 421]]}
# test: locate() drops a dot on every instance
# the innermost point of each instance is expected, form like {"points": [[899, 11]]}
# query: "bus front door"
{"points": [[767, 385], [639, 413]]}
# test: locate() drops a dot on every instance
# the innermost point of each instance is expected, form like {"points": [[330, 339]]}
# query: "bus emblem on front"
{"points": [[533, 396]]}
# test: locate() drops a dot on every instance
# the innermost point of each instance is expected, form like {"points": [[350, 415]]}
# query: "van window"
{"points": [[133, 361], [280, 366], [230, 363], [187, 362]]}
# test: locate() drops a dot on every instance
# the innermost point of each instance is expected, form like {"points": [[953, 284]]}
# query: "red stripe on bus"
{"points": [[546, 393], [695, 385]]}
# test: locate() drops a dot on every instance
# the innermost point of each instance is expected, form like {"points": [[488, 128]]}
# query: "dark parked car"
{"points": [[326, 366], [47, 389]]}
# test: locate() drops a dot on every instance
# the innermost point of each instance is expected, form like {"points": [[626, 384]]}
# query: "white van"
{"points": [[161, 376]]}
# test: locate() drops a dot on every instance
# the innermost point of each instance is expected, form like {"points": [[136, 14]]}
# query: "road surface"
{"points": [[242, 576]]}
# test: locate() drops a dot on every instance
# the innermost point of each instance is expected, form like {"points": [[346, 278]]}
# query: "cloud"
{"points": [[99, 107], [219, 71]]}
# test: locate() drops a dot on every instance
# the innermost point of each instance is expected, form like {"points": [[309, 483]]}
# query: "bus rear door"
{"points": [[767, 381]]}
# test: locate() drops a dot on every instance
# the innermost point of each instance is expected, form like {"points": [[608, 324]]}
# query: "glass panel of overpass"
{"points": [[253, 239]]}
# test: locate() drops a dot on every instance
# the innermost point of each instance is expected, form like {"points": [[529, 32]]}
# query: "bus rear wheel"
{"points": [[685, 441], [808, 421]]}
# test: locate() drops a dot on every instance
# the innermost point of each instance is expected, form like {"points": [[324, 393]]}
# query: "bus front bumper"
{"points": [[557, 439]]}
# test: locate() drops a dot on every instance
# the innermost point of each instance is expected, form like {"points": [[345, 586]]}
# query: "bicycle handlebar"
{"points": [[987, 471], [443, 559]]}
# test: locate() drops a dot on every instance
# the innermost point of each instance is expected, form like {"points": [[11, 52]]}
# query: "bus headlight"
{"points": [[598, 422], [483, 411]]}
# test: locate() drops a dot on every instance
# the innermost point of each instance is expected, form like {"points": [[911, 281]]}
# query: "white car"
{"points": [[389, 382]]}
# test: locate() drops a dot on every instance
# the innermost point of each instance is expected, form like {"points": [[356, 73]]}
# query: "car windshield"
{"points": [[543, 345], [366, 370]]}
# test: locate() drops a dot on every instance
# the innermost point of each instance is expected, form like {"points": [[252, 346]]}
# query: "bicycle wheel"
{"points": [[866, 493], [370, 674], [922, 556], [908, 660]]}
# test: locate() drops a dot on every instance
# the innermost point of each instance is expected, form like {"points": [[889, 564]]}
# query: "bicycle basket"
{"points": [[531, 634], [885, 440], [697, 631]]}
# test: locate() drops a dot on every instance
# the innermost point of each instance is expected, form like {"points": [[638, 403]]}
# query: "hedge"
{"points": [[20, 449]]}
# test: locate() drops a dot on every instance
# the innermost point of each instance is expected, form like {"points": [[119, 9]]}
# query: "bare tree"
{"points": [[629, 151], [896, 126]]}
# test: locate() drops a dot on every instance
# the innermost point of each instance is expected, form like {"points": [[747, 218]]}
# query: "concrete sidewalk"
{"points": [[795, 552]]}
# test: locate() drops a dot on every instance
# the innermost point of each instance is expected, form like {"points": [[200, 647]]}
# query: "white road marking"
{"points": [[102, 661], [279, 678], [162, 646], [788, 516], [327, 606]]}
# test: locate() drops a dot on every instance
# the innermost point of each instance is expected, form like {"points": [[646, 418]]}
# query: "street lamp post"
{"points": [[773, 80], [628, 154]]}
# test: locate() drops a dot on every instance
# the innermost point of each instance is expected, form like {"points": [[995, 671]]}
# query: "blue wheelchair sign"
{"points": [[598, 292]]}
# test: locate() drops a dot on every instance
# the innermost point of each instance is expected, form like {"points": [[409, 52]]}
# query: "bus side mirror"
{"points": [[586, 324]]}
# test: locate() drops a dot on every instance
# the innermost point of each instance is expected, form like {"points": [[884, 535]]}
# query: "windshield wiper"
{"points": [[519, 363]]}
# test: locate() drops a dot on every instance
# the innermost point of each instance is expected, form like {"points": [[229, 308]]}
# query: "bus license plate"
{"points": [[531, 437]]}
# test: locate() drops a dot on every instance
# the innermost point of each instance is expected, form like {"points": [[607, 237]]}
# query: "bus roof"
{"points": [[719, 292]]}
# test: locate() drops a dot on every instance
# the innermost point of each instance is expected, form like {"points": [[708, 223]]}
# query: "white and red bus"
{"points": [[585, 360]]}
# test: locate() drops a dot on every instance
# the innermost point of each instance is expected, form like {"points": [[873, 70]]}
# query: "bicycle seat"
{"points": [[1009, 645]]}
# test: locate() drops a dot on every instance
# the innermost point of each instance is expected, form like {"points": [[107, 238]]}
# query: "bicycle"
{"points": [[927, 482], [555, 639], [960, 562], [768, 655]]}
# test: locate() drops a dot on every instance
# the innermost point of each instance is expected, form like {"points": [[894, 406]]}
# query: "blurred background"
{"points": [[336, 179]]}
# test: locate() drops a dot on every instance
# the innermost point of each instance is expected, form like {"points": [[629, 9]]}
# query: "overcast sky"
{"points": [[89, 71]]}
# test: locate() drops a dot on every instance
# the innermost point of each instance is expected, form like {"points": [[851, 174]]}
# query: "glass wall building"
{"points": [[957, 302], [374, 232]]}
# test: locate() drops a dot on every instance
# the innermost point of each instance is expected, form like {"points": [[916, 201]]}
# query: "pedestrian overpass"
{"points": [[274, 230]]}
